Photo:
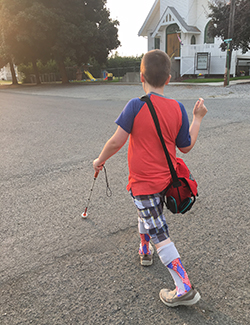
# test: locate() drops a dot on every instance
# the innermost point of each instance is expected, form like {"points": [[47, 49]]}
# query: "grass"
{"points": [[205, 80], [194, 80], [5, 82], [115, 79]]}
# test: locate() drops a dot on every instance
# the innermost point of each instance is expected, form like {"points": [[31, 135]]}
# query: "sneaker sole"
{"points": [[146, 263], [190, 302]]}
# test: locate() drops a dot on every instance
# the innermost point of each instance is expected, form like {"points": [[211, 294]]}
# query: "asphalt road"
{"points": [[56, 268]]}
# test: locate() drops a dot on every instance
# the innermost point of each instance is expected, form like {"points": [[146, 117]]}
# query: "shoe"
{"points": [[171, 299], [147, 259]]}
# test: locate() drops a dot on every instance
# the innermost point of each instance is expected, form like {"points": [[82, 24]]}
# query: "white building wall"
{"points": [[217, 63], [163, 41], [180, 5], [151, 42], [195, 13], [202, 17], [153, 21], [5, 73], [188, 53], [2, 74], [191, 17]]}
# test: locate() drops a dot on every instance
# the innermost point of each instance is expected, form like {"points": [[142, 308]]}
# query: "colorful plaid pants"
{"points": [[151, 218]]}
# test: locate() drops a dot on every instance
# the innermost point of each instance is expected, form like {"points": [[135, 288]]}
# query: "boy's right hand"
{"points": [[200, 109], [97, 165]]}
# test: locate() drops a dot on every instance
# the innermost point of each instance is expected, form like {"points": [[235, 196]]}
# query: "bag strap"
{"points": [[176, 182]]}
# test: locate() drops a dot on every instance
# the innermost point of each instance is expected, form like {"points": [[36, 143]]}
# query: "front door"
{"points": [[173, 45], [172, 41]]}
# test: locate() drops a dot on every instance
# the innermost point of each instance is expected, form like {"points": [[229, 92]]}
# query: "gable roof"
{"points": [[154, 10], [170, 16], [183, 25]]}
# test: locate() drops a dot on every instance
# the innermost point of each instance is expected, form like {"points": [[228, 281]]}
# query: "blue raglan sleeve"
{"points": [[126, 119], [183, 138]]}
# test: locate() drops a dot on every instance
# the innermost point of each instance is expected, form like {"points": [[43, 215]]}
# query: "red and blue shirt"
{"points": [[148, 168]]}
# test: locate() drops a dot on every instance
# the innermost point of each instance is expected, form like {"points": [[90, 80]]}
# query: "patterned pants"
{"points": [[151, 218]]}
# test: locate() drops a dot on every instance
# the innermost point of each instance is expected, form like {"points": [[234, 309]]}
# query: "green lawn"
{"points": [[4, 82], [205, 80], [116, 79]]}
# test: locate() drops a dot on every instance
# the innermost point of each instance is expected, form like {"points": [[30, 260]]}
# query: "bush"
{"points": [[26, 70], [120, 65], [115, 64]]}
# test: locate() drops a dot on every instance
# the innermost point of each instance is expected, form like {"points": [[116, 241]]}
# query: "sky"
{"points": [[131, 14]]}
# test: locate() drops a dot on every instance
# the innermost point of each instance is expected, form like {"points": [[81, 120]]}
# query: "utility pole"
{"points": [[229, 42]]}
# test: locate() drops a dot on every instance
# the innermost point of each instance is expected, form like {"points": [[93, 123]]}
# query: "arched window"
{"points": [[193, 40], [208, 38], [171, 29]]}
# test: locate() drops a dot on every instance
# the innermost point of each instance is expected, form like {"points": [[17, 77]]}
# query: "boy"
{"points": [[149, 173]]}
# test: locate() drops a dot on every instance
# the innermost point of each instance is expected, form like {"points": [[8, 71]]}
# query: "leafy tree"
{"points": [[220, 12], [105, 34], [26, 27], [50, 67], [57, 29], [5, 55], [86, 31], [4, 59]]}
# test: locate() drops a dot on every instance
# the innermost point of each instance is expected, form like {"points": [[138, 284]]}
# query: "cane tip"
{"points": [[84, 215]]}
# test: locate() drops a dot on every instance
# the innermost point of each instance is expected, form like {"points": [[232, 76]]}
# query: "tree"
{"points": [[57, 29], [105, 33], [26, 27], [5, 55], [86, 31], [220, 13]]}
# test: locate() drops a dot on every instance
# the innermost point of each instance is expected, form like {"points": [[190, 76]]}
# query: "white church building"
{"points": [[181, 29]]}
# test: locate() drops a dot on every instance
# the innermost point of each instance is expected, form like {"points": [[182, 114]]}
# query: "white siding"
{"points": [[202, 16], [195, 13], [180, 5], [151, 42], [191, 17], [217, 63], [5, 73]]}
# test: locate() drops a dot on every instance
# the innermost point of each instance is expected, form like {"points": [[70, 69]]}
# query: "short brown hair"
{"points": [[155, 67]]}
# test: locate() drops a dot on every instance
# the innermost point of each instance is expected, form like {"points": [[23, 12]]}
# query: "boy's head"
{"points": [[155, 68]]}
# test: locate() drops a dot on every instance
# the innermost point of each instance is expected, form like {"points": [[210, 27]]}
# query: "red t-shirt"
{"points": [[148, 168]]}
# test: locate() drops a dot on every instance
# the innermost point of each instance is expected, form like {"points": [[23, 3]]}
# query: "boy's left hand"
{"points": [[200, 109]]}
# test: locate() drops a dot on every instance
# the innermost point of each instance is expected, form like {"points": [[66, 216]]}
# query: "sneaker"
{"points": [[171, 299], [147, 259]]}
